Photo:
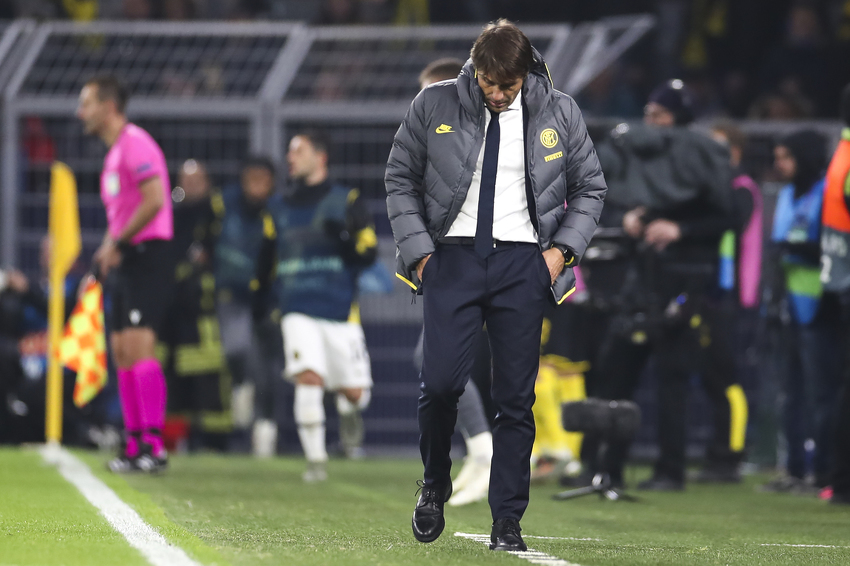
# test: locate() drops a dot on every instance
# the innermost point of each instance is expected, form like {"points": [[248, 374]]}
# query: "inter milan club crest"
{"points": [[549, 138]]}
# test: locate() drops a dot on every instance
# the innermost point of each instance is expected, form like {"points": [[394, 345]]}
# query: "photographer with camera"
{"points": [[670, 193]]}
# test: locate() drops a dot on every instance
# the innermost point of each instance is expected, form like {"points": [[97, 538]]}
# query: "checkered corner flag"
{"points": [[83, 346]]}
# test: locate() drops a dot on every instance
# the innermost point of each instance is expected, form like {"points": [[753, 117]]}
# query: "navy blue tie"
{"points": [[484, 228]]}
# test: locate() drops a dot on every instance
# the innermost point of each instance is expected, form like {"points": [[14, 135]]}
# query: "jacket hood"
{"points": [[536, 92]]}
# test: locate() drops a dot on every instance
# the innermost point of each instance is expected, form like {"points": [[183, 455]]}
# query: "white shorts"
{"points": [[334, 350]]}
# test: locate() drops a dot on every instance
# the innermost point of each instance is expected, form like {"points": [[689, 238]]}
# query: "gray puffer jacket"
{"points": [[434, 156]]}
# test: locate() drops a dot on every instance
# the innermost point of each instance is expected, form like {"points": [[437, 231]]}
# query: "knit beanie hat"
{"points": [[675, 97]]}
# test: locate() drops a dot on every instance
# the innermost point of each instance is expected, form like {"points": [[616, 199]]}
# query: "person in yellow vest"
{"points": [[835, 277], [195, 365]]}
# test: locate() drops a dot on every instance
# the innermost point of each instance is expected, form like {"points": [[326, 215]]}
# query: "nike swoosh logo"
{"points": [[443, 129]]}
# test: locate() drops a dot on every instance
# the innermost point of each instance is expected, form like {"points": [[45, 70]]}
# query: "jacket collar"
{"points": [[537, 91]]}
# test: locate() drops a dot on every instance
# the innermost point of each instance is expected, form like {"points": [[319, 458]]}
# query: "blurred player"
{"points": [[134, 261], [251, 341], [324, 238]]}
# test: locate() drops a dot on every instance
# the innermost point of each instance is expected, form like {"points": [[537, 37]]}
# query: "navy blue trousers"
{"points": [[508, 292]]}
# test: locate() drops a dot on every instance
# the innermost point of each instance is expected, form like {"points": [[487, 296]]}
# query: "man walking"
{"points": [[478, 182], [322, 239]]}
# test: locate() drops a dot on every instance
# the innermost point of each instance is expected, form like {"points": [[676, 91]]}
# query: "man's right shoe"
{"points": [[428, 520], [146, 461], [505, 536]]}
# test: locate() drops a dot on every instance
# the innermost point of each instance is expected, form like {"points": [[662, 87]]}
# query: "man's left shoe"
{"points": [[505, 536], [147, 462], [428, 520], [661, 483]]}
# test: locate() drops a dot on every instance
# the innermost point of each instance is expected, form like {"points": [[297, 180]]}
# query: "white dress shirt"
{"points": [[511, 220]]}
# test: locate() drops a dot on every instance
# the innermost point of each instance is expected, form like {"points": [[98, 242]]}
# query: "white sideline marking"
{"points": [[565, 538], [805, 545], [140, 535], [531, 555]]}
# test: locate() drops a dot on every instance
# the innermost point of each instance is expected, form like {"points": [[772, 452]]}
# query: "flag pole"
{"points": [[65, 245]]}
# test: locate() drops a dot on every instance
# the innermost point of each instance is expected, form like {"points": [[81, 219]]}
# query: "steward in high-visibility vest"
{"points": [[835, 276], [835, 234]]}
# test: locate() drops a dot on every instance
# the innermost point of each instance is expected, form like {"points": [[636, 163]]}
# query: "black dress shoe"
{"points": [[661, 483], [505, 536], [428, 521]]}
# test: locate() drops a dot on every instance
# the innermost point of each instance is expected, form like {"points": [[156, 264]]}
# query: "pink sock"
{"points": [[130, 410], [151, 391]]}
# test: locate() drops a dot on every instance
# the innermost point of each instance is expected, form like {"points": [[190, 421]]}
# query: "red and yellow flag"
{"points": [[83, 347]]}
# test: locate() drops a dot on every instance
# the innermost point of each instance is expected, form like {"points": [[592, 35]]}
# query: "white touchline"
{"points": [[564, 538], [531, 555], [140, 535], [805, 545]]}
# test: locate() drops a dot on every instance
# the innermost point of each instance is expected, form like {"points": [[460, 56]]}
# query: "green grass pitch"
{"points": [[240, 511]]}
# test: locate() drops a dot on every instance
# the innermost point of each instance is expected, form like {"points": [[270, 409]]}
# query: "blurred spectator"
{"points": [[736, 92], [38, 145], [335, 12], [40, 9], [81, 10], [137, 10], [777, 106], [797, 66], [179, 10], [810, 318], [610, 94]]}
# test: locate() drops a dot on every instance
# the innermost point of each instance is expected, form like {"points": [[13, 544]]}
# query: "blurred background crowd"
{"points": [[761, 59]]}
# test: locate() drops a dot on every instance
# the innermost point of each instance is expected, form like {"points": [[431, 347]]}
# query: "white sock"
{"points": [[309, 412], [346, 407], [480, 447]]}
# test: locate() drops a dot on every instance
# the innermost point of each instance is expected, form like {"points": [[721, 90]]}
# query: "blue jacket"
{"points": [[323, 238], [242, 233]]}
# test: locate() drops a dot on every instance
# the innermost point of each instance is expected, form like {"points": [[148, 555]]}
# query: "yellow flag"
{"points": [[83, 347], [65, 245]]}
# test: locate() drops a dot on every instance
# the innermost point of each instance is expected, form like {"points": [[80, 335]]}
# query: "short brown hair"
{"points": [[502, 52], [441, 70], [110, 88], [733, 134]]}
